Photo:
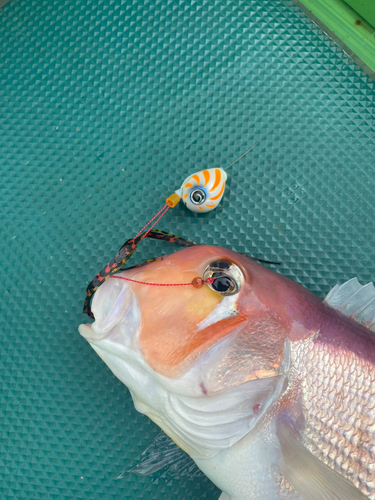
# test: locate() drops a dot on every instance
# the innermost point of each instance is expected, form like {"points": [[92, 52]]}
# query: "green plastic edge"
{"points": [[348, 27], [365, 8]]}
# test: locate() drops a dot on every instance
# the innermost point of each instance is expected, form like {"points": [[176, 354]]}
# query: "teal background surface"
{"points": [[105, 107]]}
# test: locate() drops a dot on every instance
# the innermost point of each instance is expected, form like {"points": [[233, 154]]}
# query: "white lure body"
{"points": [[203, 191]]}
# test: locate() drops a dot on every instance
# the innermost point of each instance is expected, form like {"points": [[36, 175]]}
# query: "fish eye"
{"points": [[223, 284], [197, 196], [227, 277]]}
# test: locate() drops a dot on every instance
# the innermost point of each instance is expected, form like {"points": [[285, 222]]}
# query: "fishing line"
{"points": [[248, 151], [262, 260], [197, 282], [165, 209]]}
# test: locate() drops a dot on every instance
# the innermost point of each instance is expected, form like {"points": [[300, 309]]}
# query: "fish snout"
{"points": [[111, 303]]}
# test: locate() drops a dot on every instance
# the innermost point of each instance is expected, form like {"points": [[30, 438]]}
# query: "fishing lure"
{"points": [[203, 191]]}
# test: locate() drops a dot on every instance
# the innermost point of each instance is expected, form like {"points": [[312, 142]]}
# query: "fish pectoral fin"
{"points": [[164, 454], [310, 477]]}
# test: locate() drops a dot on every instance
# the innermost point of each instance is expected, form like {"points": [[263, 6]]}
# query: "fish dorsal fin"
{"points": [[354, 300], [165, 456], [310, 477]]}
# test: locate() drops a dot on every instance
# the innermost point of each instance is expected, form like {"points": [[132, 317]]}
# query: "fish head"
{"points": [[190, 356]]}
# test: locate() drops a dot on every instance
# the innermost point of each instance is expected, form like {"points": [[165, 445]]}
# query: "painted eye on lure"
{"points": [[198, 196], [224, 276], [203, 191]]}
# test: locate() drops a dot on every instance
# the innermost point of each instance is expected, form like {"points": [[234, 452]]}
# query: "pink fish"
{"points": [[268, 388]]}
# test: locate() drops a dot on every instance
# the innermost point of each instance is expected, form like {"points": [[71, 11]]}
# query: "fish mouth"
{"points": [[113, 304]]}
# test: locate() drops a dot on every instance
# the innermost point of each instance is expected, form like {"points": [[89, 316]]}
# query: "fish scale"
{"points": [[340, 435]]}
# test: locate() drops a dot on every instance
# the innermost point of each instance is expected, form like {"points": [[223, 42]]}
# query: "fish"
{"points": [[267, 388]]}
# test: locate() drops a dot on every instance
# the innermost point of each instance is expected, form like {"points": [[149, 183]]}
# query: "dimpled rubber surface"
{"points": [[105, 107]]}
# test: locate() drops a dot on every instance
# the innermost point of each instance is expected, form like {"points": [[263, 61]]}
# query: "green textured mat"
{"points": [[105, 107]]}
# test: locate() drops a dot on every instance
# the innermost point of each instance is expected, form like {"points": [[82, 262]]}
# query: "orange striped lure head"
{"points": [[203, 191]]}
